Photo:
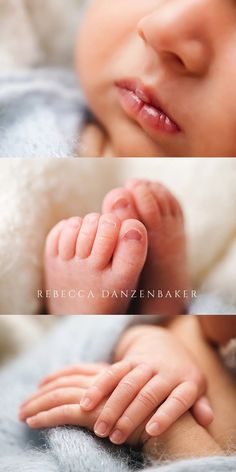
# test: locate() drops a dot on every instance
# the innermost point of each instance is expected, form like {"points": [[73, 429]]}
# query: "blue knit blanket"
{"points": [[41, 112], [72, 449]]}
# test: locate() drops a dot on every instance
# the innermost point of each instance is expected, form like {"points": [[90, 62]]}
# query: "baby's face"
{"points": [[160, 75]]}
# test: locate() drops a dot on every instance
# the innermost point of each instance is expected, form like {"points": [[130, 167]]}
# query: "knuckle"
{"points": [[180, 400], [66, 411], [148, 398], [70, 412], [128, 386], [58, 382], [107, 414], [56, 395], [110, 373], [146, 368], [125, 424]]}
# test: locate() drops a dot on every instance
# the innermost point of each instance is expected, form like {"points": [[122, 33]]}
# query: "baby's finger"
{"points": [[180, 400], [147, 400], [64, 415], [203, 412], [78, 381], [121, 397], [61, 396], [61, 415], [82, 368], [105, 384]]}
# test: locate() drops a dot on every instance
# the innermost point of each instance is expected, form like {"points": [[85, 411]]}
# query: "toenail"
{"points": [[120, 203], [74, 222], [133, 234], [91, 218]]}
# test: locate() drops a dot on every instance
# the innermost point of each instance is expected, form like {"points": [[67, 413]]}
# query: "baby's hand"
{"points": [[156, 383], [56, 402]]}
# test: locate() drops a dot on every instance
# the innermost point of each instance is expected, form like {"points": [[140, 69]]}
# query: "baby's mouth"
{"points": [[140, 103]]}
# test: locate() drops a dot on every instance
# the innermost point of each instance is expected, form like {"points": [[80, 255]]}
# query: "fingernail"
{"points": [[101, 429], [31, 421], [206, 405], [86, 402], [153, 429], [133, 234], [117, 437], [205, 401], [208, 410], [120, 204], [21, 415]]}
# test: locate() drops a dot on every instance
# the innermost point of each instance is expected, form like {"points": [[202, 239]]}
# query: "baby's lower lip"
{"points": [[146, 114]]}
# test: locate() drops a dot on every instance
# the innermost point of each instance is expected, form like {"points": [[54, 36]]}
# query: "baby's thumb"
{"points": [[202, 411]]}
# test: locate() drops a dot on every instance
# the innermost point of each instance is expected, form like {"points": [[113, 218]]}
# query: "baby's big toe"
{"points": [[131, 251], [120, 202]]}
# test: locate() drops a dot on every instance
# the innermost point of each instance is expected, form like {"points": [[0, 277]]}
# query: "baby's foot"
{"points": [[165, 274], [93, 264]]}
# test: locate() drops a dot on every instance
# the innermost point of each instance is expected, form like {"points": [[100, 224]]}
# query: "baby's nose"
{"points": [[180, 33]]}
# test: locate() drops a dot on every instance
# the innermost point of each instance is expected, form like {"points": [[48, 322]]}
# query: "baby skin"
{"points": [[137, 400], [132, 388], [137, 243]]}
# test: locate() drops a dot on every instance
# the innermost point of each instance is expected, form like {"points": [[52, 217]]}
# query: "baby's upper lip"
{"points": [[146, 94]]}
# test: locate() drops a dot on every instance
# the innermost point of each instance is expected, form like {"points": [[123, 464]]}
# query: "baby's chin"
{"points": [[129, 140]]}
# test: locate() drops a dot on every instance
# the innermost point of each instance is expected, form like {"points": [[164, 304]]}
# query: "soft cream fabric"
{"points": [[36, 32], [34, 195]]}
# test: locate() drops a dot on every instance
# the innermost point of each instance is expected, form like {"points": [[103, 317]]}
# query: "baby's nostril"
{"points": [[173, 59]]}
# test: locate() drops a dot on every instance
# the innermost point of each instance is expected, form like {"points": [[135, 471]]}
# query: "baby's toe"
{"points": [[120, 202], [105, 240], [131, 251], [166, 201], [68, 238], [52, 240], [146, 203], [87, 235]]}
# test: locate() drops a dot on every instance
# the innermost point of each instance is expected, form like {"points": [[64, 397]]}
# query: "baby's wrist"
{"points": [[133, 339]]}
